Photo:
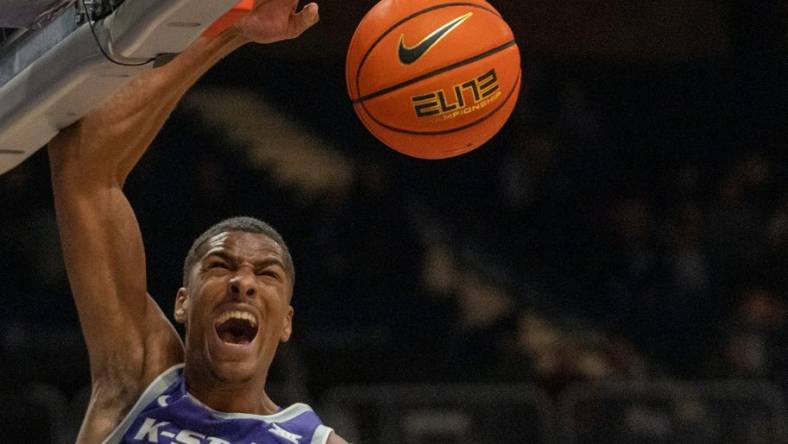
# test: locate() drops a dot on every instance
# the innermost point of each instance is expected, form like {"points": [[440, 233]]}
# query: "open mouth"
{"points": [[236, 327]]}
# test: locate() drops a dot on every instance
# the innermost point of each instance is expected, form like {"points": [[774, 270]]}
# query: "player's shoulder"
{"points": [[299, 418], [321, 433]]}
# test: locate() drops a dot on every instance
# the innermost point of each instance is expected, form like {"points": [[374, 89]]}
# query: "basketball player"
{"points": [[147, 385]]}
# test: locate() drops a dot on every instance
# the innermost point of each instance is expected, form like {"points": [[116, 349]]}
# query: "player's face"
{"points": [[236, 306]]}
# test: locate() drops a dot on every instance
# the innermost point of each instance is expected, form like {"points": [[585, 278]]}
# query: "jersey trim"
{"points": [[321, 434], [164, 380], [281, 416]]}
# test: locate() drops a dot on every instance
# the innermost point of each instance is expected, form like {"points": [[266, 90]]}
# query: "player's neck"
{"points": [[230, 397]]}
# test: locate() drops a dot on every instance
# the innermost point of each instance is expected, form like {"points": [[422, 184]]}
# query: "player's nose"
{"points": [[243, 284]]}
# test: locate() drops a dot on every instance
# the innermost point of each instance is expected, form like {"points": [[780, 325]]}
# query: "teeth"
{"points": [[235, 314]]}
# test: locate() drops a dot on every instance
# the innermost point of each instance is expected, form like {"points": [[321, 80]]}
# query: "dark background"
{"points": [[630, 221]]}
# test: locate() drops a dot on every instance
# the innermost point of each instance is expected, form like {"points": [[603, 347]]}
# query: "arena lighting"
{"points": [[54, 74]]}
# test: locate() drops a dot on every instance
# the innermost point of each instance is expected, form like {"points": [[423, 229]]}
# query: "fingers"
{"points": [[307, 17], [276, 20]]}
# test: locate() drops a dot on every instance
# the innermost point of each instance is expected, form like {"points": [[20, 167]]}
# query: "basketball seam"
{"points": [[436, 72], [452, 130], [410, 17]]}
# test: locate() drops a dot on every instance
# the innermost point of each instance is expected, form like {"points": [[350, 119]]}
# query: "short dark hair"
{"points": [[242, 224]]}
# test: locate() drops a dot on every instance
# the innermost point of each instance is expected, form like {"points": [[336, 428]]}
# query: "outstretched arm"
{"points": [[129, 339], [102, 245]]}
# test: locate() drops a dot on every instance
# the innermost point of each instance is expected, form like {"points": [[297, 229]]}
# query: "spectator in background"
{"points": [[754, 339], [558, 353], [632, 285], [485, 317], [685, 307], [735, 236], [687, 260], [464, 318]]}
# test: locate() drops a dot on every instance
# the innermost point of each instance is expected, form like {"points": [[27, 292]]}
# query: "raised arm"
{"points": [[129, 339], [102, 245]]}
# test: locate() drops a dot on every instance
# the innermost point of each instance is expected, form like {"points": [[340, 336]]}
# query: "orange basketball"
{"points": [[433, 79]]}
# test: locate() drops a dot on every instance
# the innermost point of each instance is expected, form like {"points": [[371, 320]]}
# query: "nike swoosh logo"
{"points": [[408, 55]]}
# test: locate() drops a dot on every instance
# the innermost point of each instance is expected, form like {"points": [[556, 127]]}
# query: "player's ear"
{"points": [[287, 328], [182, 302]]}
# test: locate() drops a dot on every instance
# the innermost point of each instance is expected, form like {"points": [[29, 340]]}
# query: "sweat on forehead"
{"points": [[235, 224]]}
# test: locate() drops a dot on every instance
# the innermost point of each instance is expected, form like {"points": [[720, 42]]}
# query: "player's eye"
{"points": [[267, 272], [218, 264]]}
